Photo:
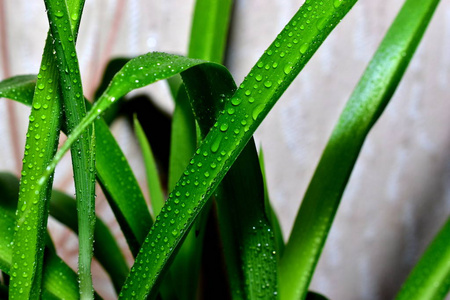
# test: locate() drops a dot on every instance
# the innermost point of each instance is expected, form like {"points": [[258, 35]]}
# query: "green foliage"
{"points": [[216, 181]]}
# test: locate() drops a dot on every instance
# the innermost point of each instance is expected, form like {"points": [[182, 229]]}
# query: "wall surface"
{"points": [[399, 193]]}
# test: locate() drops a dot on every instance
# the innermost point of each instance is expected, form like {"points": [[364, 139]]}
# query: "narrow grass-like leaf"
{"points": [[288, 53], [156, 192], [63, 208], [41, 142], [58, 279], [278, 234], [83, 152], [430, 278], [113, 66], [106, 250], [366, 104], [210, 30], [21, 87], [113, 171]]}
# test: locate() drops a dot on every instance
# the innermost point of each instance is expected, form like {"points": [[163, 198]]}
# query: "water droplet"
{"points": [[304, 48], [258, 77], [224, 127], [41, 86], [337, 3], [287, 69], [258, 109], [215, 145], [268, 84], [37, 105], [59, 14], [236, 101]]}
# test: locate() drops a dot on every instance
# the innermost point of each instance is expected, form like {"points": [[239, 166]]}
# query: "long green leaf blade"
{"points": [[210, 30], [42, 137], [83, 152], [58, 279], [366, 104], [63, 208], [430, 278], [156, 192]]}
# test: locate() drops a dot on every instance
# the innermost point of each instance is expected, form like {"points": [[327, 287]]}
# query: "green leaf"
{"points": [[288, 53], [121, 188], [208, 38], [210, 30], [83, 152], [154, 186], [115, 176], [366, 104], [270, 213], [20, 87], [430, 278], [63, 208], [41, 142], [113, 66], [245, 230], [58, 279]]}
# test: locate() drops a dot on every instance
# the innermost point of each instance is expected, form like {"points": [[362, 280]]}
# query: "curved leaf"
{"points": [[366, 104], [154, 186], [430, 278]]}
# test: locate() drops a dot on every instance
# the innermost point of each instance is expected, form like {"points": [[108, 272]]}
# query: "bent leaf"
{"points": [[430, 278], [366, 104]]}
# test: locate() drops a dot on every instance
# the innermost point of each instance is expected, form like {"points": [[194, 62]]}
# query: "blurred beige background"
{"points": [[399, 192]]}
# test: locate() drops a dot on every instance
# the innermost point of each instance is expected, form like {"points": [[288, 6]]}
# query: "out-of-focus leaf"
{"points": [[156, 193], [278, 234], [430, 278], [366, 104], [210, 30]]}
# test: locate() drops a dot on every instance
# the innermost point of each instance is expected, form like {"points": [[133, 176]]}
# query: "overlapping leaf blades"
{"points": [[225, 140], [41, 143]]}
